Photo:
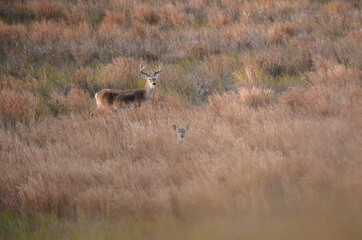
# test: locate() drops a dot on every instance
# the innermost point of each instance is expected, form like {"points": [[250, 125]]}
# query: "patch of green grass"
{"points": [[185, 90], [283, 82], [13, 226]]}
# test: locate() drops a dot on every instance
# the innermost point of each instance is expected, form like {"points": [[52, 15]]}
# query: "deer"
{"points": [[181, 132], [117, 98]]}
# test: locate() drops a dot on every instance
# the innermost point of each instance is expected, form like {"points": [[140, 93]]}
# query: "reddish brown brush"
{"points": [[271, 90]]}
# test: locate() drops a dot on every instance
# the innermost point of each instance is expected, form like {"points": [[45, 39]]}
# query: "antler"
{"points": [[159, 70], [142, 68]]}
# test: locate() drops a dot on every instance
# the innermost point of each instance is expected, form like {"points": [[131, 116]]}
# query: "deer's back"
{"points": [[112, 96]]}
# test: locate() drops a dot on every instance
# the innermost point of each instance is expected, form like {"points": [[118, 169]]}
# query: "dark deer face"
{"points": [[181, 132]]}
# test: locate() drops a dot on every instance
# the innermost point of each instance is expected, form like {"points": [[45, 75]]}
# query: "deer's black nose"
{"points": [[154, 83]]}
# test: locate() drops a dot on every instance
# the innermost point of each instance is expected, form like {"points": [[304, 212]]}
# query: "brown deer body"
{"points": [[118, 98]]}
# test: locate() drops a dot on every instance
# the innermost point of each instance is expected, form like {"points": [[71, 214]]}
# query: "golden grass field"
{"points": [[271, 90]]}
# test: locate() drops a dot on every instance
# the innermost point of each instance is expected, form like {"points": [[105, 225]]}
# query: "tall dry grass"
{"points": [[271, 90], [17, 102], [235, 159]]}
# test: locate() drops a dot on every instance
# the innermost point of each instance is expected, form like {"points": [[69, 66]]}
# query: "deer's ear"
{"points": [[156, 75], [187, 127], [174, 127], [143, 76]]}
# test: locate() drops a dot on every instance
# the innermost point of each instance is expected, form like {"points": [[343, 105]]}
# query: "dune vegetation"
{"points": [[271, 90]]}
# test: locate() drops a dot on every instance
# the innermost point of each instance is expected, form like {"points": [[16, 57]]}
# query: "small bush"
{"points": [[17, 105], [139, 30], [121, 73], [77, 101], [256, 97], [82, 78], [279, 33], [146, 14], [334, 90], [172, 15], [12, 34], [296, 99], [219, 19], [151, 17], [46, 9], [251, 76], [115, 18]]}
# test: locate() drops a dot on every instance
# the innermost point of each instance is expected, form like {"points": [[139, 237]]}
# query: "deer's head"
{"points": [[151, 79], [181, 132]]}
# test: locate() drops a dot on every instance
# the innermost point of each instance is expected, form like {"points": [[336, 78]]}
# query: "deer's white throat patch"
{"points": [[151, 93]]}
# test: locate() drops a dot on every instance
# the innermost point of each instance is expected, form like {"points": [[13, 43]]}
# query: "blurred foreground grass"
{"points": [[332, 224]]}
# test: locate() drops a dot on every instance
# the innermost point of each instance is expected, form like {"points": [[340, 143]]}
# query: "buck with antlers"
{"points": [[117, 98]]}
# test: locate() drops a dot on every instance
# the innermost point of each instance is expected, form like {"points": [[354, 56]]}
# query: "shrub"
{"points": [[77, 101], [46, 9], [82, 78], [115, 18], [256, 97], [334, 90], [172, 15], [17, 104], [121, 73], [12, 34], [251, 75], [146, 14], [281, 32]]}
